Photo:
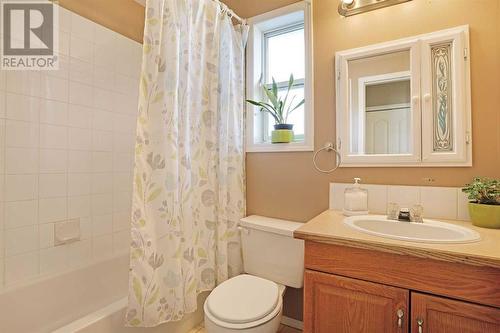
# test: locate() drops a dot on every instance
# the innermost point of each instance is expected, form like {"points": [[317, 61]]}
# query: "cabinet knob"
{"points": [[420, 323], [400, 315]]}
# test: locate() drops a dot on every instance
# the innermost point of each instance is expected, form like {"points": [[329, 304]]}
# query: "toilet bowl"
{"points": [[244, 303], [253, 302]]}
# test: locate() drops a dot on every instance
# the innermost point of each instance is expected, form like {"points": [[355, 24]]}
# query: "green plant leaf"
{"points": [[154, 195], [136, 285]]}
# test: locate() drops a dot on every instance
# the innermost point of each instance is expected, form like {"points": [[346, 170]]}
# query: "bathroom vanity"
{"points": [[357, 282]]}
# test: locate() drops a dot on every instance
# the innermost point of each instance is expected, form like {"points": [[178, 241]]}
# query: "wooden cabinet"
{"points": [[343, 305], [436, 314], [355, 290]]}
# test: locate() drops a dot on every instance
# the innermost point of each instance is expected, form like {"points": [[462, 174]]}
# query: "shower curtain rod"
{"points": [[230, 12]]}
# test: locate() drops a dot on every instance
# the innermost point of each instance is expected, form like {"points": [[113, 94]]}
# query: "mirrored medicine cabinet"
{"points": [[406, 102]]}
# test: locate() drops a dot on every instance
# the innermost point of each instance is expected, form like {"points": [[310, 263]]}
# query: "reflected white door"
{"points": [[387, 131]]}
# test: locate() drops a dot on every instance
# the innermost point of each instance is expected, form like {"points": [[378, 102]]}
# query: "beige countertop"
{"points": [[328, 227]]}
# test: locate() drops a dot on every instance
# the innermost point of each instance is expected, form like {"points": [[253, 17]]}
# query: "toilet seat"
{"points": [[244, 301]]}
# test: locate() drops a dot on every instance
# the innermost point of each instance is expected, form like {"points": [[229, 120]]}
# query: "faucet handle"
{"points": [[416, 213], [392, 211]]}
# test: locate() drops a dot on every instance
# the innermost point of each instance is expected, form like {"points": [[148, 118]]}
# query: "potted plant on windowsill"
{"points": [[484, 207], [279, 109]]}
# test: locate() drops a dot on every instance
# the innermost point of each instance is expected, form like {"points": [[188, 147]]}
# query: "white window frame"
{"points": [[256, 123]]}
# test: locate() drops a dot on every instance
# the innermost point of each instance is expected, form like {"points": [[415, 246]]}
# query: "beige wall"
{"points": [[285, 185]]}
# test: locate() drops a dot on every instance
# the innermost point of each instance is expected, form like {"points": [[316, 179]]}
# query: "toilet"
{"points": [[253, 302]]}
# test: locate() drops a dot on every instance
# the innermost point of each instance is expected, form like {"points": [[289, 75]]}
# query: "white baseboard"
{"points": [[292, 322]]}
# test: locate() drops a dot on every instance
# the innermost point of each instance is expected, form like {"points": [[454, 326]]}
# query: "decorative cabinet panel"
{"points": [[343, 305], [446, 94], [406, 102], [436, 314]]}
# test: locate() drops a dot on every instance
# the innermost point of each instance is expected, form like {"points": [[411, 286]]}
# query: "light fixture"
{"points": [[353, 7]]}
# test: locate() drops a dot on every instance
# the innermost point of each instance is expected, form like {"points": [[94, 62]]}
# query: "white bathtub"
{"points": [[87, 300]]}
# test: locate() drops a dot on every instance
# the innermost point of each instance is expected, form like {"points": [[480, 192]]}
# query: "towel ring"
{"points": [[327, 147]]}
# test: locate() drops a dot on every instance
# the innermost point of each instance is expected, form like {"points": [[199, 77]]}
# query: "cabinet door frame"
{"points": [[421, 304], [400, 297]]}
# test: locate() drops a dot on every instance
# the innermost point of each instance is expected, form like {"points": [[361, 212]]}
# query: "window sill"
{"points": [[279, 147]]}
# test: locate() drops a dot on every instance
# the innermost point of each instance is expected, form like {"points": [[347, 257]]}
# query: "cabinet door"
{"points": [[334, 304], [431, 314], [446, 107]]}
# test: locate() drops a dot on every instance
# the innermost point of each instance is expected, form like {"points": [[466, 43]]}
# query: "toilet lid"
{"points": [[243, 299]]}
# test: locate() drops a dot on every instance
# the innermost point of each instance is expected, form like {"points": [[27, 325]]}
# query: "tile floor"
{"points": [[282, 329]]}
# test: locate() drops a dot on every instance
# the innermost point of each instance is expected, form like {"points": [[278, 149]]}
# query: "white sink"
{"points": [[428, 232]]}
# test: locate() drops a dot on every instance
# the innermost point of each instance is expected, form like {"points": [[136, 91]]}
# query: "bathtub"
{"points": [[92, 299]]}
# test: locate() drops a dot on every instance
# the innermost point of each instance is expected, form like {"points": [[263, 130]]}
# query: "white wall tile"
{"points": [[121, 241], [80, 139], [405, 196], [80, 71], [21, 161], [21, 213], [121, 221], [53, 137], [53, 259], [46, 235], [377, 198], [80, 161], [104, 79], [103, 99], [122, 201], [102, 225], [102, 162], [79, 207], [80, 116], [82, 27], [102, 141], [102, 183], [21, 240], [23, 82], [21, 187], [64, 42], [463, 206], [80, 94], [102, 247], [20, 268], [66, 147], [79, 184], [53, 161], [52, 210], [81, 49], [103, 120], [102, 204], [439, 202], [21, 107], [53, 112], [337, 195], [79, 253], [54, 88], [21, 134], [52, 185]]}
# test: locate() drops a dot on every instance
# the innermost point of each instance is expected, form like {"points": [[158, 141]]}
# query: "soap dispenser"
{"points": [[355, 199]]}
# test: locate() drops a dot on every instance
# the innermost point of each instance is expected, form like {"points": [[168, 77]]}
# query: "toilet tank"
{"points": [[271, 252]]}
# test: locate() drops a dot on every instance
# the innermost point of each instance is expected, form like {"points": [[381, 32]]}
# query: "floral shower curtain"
{"points": [[189, 172]]}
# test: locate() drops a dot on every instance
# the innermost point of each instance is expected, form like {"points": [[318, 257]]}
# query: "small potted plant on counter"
{"points": [[484, 205], [279, 108]]}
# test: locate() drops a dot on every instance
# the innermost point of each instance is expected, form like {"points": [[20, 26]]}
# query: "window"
{"points": [[280, 45]]}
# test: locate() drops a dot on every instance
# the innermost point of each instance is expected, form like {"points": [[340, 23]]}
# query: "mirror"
{"points": [[380, 109], [405, 102]]}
